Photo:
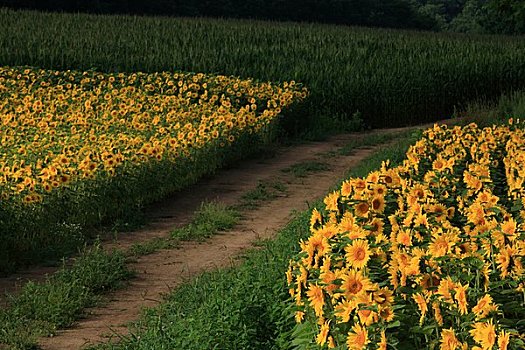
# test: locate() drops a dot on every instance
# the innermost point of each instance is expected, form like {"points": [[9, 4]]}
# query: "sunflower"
{"points": [[347, 223], [317, 243], [471, 181], [316, 297], [506, 258], [439, 164], [361, 209], [323, 333], [376, 226], [419, 192], [386, 313], [476, 214], [357, 232], [344, 309], [421, 305], [373, 177], [484, 333], [421, 220], [346, 188], [448, 340], [358, 253], [440, 245], [437, 313], [509, 228], [445, 287], [383, 296], [359, 184], [439, 211], [357, 339], [484, 307], [503, 340], [383, 342], [461, 298], [378, 204], [315, 219], [404, 237], [354, 283], [331, 201]]}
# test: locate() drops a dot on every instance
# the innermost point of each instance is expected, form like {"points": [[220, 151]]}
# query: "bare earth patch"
{"points": [[160, 272]]}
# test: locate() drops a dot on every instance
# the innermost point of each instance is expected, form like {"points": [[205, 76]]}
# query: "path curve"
{"points": [[160, 272]]}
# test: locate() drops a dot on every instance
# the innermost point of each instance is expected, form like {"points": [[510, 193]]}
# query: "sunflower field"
{"points": [[82, 148], [428, 254]]}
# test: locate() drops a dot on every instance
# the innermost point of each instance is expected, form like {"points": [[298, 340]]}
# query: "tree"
{"points": [[505, 16]]}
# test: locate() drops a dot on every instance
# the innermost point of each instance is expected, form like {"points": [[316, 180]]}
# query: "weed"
{"points": [[303, 169], [211, 218]]}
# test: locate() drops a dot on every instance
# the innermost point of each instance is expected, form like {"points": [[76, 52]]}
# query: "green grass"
{"points": [[371, 140], [264, 191], [303, 169], [211, 218], [486, 113], [245, 307], [151, 246], [41, 308], [384, 77], [250, 290]]}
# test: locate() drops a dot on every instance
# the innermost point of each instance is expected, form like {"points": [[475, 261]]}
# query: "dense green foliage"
{"points": [[392, 13], [476, 16], [389, 77], [485, 113]]}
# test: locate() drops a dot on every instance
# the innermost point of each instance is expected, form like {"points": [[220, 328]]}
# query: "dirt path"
{"points": [[160, 272]]}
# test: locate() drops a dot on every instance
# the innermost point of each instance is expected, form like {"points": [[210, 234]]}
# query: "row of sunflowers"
{"points": [[79, 146], [428, 254], [59, 127]]}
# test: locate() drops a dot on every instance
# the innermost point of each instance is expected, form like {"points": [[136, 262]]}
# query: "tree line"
{"points": [[474, 16]]}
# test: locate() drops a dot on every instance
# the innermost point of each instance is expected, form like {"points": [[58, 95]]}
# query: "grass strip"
{"points": [[243, 307], [372, 140], [251, 290], [208, 220], [42, 308], [264, 191], [303, 169]]}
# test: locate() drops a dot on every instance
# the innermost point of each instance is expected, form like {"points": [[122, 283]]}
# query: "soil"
{"points": [[158, 273]]}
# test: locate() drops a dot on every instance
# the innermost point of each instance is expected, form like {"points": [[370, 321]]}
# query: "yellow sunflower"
{"points": [[316, 297], [503, 340], [484, 307], [331, 201], [361, 209], [357, 339], [383, 296], [448, 340], [317, 243], [484, 333], [461, 298], [316, 218], [346, 188], [344, 309], [378, 204], [358, 253], [354, 283], [421, 305], [323, 333]]}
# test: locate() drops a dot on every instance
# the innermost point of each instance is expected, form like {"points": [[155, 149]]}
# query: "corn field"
{"points": [[389, 77]]}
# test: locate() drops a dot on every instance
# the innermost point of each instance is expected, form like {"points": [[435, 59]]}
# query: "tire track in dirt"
{"points": [[226, 186], [161, 271]]}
